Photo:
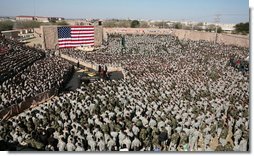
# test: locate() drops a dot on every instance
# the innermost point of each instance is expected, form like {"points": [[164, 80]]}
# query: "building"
{"points": [[227, 27], [42, 19], [55, 18], [11, 34], [25, 31], [39, 18], [25, 18], [78, 22]]}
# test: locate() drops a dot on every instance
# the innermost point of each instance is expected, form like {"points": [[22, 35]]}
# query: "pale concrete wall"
{"points": [[239, 40], [227, 39], [38, 30], [98, 34], [193, 35], [134, 31], [50, 37]]}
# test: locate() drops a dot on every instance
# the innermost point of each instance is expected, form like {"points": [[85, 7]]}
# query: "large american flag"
{"points": [[74, 36]]}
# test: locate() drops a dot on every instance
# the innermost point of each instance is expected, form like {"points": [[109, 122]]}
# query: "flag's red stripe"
{"points": [[82, 29], [82, 26], [79, 32], [81, 36], [75, 43]]}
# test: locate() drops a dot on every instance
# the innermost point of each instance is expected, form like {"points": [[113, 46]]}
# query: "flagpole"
{"points": [[34, 7]]}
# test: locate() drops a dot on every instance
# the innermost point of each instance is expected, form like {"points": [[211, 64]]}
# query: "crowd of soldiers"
{"points": [[177, 95], [34, 72], [15, 57], [42, 76]]}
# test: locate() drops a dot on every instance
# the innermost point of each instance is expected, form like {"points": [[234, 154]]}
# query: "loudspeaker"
{"points": [[100, 23]]}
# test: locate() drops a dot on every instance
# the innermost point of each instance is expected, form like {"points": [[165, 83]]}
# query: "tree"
{"points": [[123, 24], [187, 27], [242, 28], [52, 20], [161, 24], [135, 24], [197, 27], [109, 24], [62, 23], [210, 27], [27, 24], [144, 24], [219, 30], [178, 25], [200, 24], [6, 25]]}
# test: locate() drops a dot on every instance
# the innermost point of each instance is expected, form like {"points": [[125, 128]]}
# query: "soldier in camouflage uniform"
{"points": [[214, 141], [142, 134], [183, 139], [155, 136], [223, 136], [174, 140]]}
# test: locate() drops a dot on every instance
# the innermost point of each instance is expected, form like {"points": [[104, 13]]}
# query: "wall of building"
{"points": [[42, 19], [24, 18]]}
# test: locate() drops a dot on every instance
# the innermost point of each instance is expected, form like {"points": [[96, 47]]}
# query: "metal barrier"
{"points": [[19, 108], [33, 101]]}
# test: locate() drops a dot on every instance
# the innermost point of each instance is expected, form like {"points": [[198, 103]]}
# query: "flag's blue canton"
{"points": [[64, 32]]}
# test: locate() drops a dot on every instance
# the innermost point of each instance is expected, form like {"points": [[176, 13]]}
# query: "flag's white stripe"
{"points": [[73, 45], [80, 38]]}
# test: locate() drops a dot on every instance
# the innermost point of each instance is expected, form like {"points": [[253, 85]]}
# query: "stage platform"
{"points": [[87, 75]]}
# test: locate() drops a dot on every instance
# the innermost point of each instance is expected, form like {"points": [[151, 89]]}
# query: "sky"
{"points": [[231, 11]]}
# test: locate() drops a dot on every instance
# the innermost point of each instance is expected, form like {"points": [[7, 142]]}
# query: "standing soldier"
{"points": [[174, 140], [142, 135], [223, 135], [99, 70], [214, 141], [183, 139]]}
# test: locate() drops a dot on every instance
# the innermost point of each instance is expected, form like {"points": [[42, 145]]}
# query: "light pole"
{"points": [[216, 20], [34, 7]]}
